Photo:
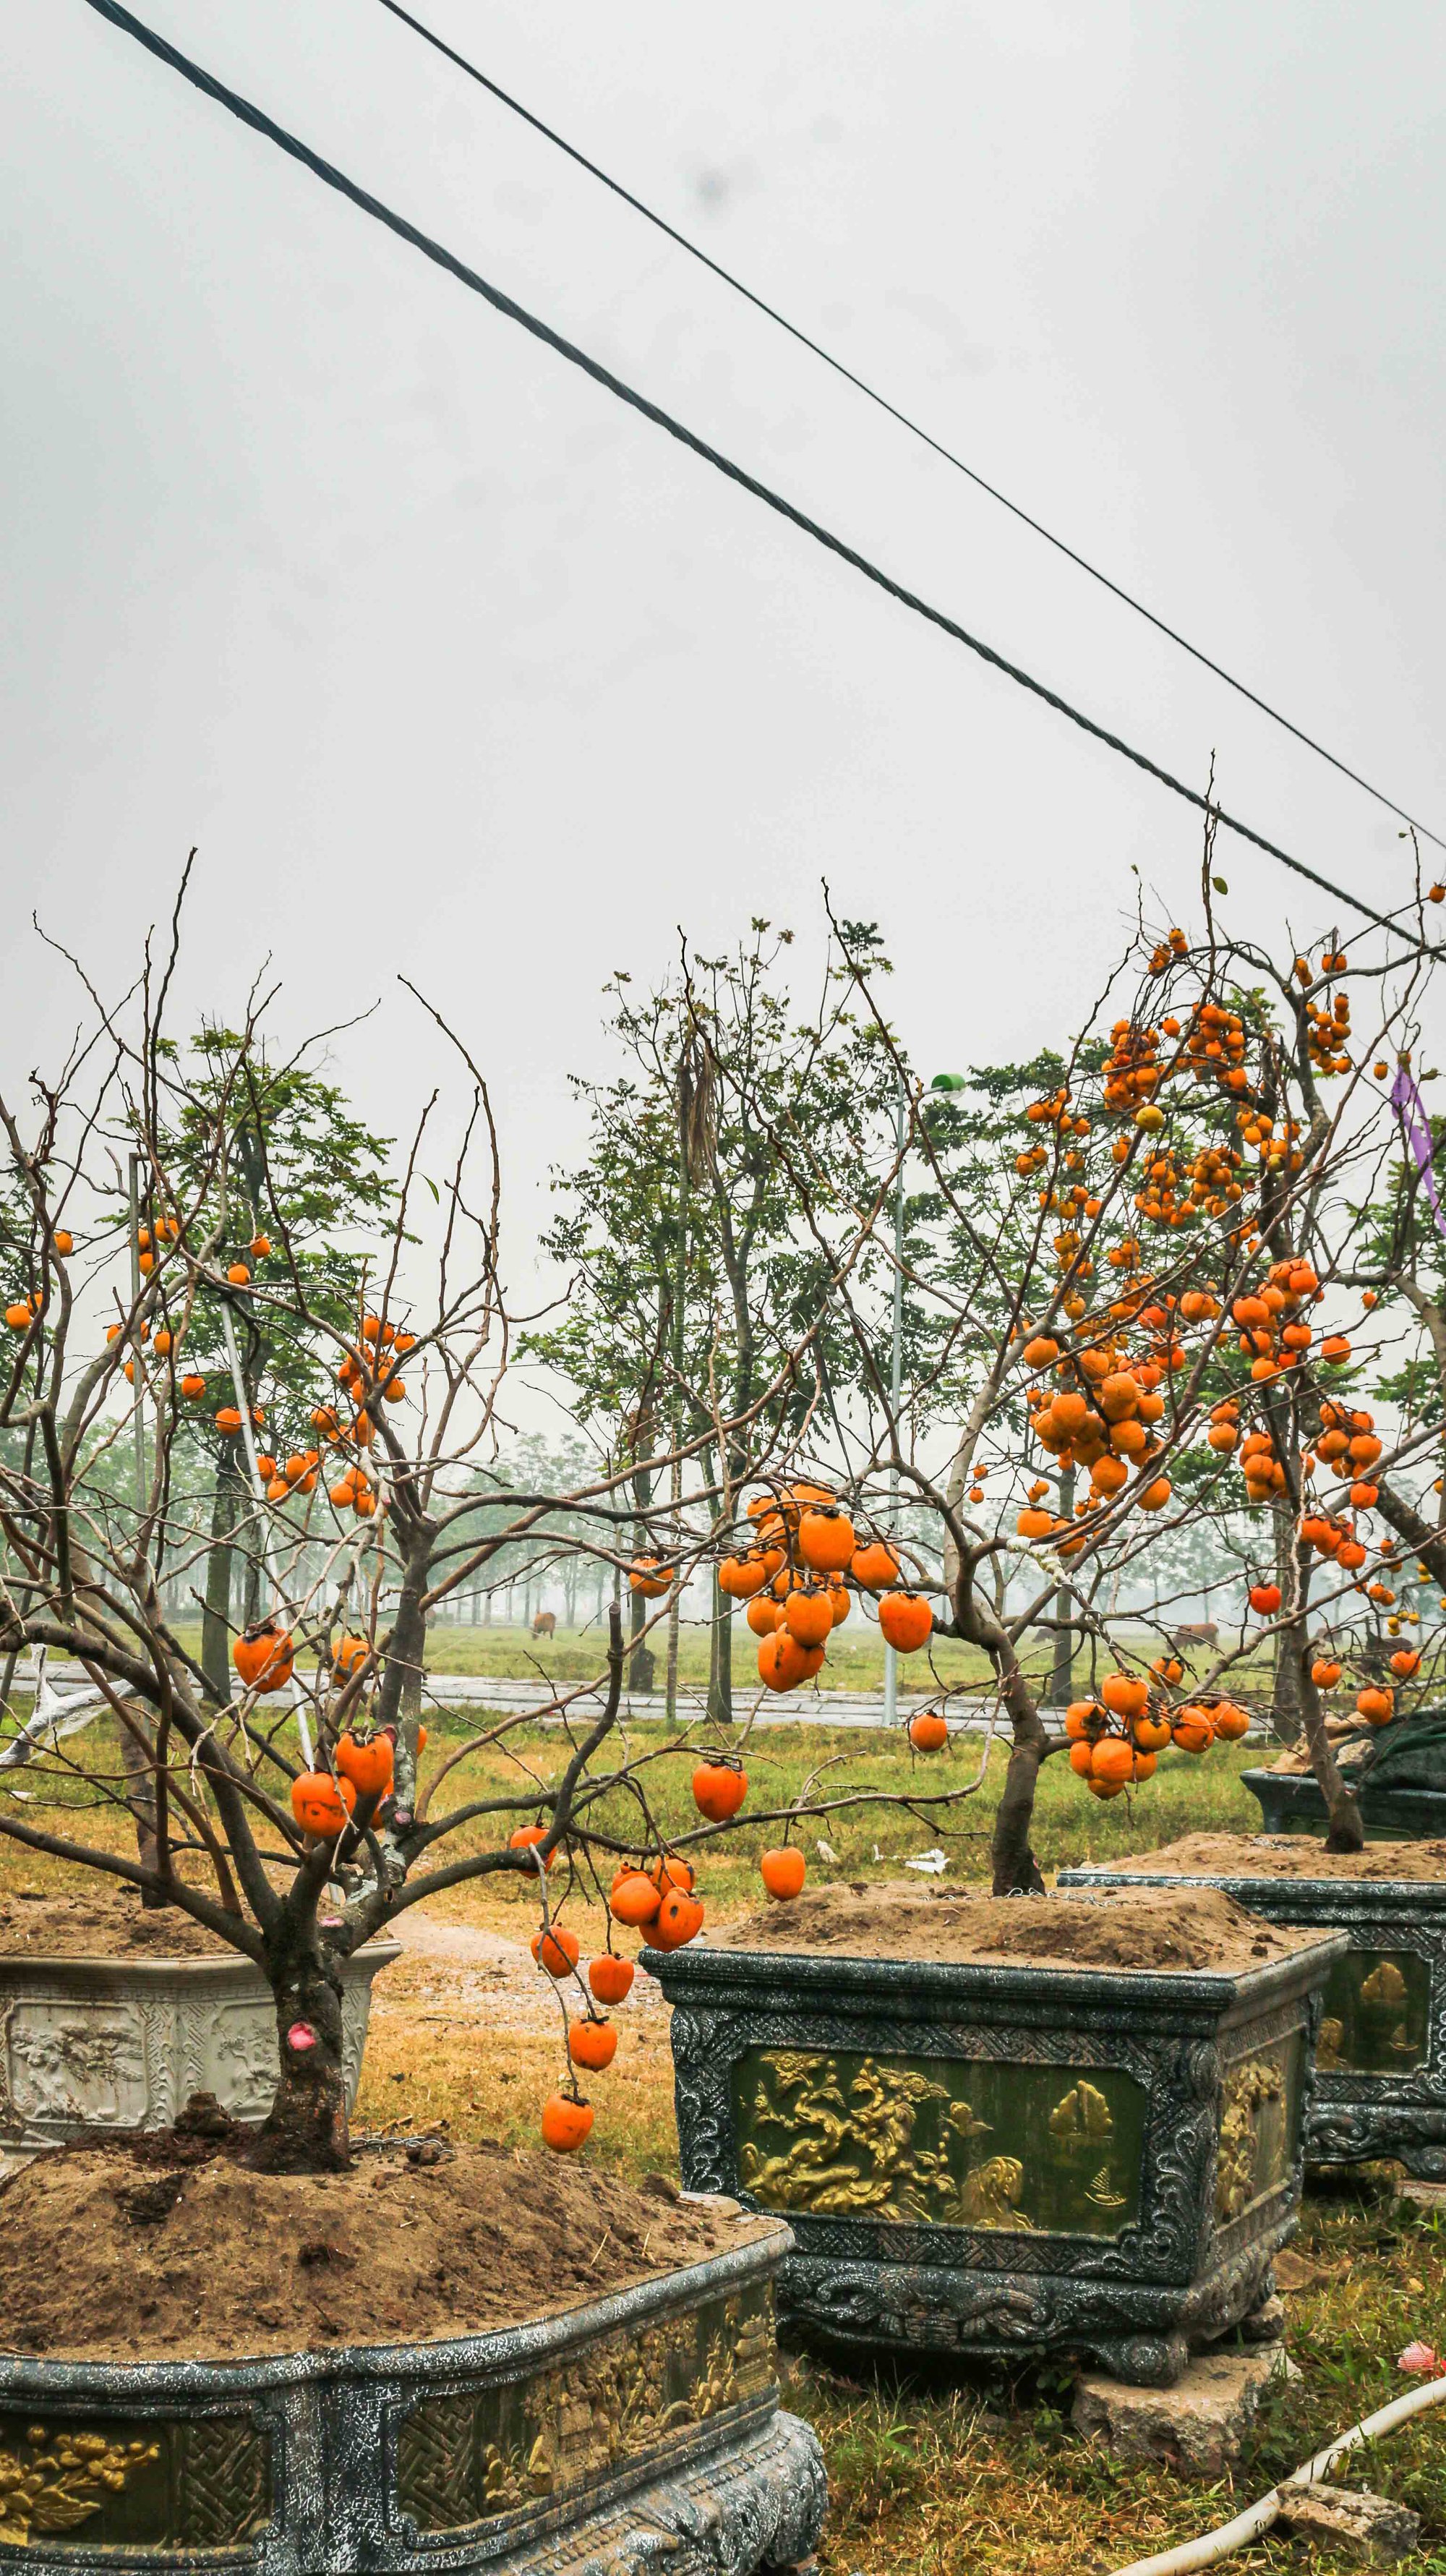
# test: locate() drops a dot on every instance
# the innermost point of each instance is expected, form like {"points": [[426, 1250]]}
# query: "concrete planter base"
{"points": [[640, 2432], [1381, 2059], [120, 2043], [1003, 2160]]}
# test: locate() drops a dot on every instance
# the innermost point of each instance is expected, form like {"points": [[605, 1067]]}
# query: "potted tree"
{"points": [[1367, 1653], [1113, 1280], [241, 2338]]}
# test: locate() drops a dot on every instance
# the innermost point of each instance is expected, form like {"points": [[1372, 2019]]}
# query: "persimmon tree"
{"points": [[1127, 1261], [291, 1820]]}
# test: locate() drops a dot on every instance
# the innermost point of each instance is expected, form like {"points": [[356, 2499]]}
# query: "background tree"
{"points": [[692, 1273]]}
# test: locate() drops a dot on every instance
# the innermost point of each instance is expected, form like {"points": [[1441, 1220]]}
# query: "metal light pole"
{"points": [[941, 1082]]}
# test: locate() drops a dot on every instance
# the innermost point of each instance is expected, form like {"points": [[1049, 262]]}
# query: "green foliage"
{"points": [[275, 1150], [732, 1118]]}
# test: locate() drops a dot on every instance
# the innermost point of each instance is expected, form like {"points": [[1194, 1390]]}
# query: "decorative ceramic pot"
{"points": [[1290, 1803], [640, 2432], [1381, 2055], [1003, 2159], [122, 2043]]}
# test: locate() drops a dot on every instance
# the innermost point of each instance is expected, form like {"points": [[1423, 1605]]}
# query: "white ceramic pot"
{"points": [[123, 2043]]}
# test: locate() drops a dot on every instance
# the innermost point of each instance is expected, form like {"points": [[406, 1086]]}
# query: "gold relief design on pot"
{"points": [[199, 2481], [991, 2145], [1258, 2119], [1377, 2014], [474, 2455], [53, 2479]]}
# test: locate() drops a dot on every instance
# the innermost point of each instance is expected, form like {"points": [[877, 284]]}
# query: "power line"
{"points": [[915, 428], [262, 124]]}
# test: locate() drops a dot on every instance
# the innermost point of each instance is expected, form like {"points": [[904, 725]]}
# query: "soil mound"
{"points": [[102, 1926], [1289, 1856], [1158, 1928], [116, 2255]]}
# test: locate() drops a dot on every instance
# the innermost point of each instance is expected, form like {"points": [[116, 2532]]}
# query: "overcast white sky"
{"points": [[450, 664]]}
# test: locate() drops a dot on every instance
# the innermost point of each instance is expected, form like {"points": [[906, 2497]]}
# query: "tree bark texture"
{"points": [[1345, 1831], [140, 1781], [306, 2128], [216, 1616], [720, 1660], [1285, 1708]]}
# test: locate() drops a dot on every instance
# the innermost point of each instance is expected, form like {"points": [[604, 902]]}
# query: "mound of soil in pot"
{"points": [[116, 2254], [1288, 1856], [1160, 1928], [99, 1925]]}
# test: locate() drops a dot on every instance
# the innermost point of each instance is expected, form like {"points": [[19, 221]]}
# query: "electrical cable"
{"points": [[443, 258], [915, 428], [1227, 2537]]}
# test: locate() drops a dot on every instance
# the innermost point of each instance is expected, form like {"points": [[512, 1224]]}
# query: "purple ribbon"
{"points": [[1410, 1108]]}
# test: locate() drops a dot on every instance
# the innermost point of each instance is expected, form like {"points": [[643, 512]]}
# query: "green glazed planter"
{"points": [[1381, 2057], [1290, 1803], [1399, 1781], [1002, 2160], [638, 2433]]}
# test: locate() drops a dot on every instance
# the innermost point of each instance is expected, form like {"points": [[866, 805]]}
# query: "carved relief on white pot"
{"points": [[240, 2058], [80, 2064], [117, 2044]]}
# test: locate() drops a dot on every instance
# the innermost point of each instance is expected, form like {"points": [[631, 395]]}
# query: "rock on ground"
{"points": [[1353, 2520], [1427, 2195], [1198, 2425]]}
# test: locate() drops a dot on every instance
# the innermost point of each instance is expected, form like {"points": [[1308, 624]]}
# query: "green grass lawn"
{"points": [[880, 1795]]}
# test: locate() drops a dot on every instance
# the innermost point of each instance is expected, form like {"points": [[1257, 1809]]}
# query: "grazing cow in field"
{"points": [[1202, 1633], [545, 1624]]}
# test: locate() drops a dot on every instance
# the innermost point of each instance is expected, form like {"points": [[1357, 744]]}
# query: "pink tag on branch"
{"points": [[301, 2036], [1410, 1108], [1419, 2359]]}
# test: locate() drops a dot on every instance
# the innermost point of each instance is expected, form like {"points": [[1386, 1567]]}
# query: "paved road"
{"points": [[485, 1690], [848, 1709]]}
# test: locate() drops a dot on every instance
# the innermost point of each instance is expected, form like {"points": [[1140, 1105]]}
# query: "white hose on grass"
{"points": [[1230, 2536]]}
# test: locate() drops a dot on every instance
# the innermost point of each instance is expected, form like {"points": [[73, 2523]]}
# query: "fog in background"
{"points": [[452, 666]]}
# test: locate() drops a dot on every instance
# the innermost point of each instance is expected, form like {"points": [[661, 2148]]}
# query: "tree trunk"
{"points": [[1345, 1831], [720, 1659], [141, 1798], [305, 2130], [1016, 1871], [400, 1700], [640, 1658], [1285, 1708], [216, 1617], [251, 1588]]}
